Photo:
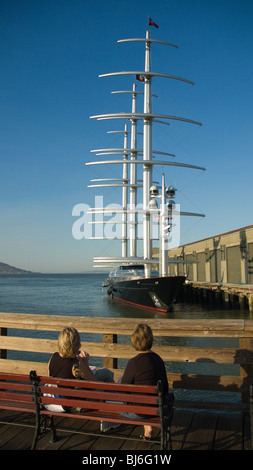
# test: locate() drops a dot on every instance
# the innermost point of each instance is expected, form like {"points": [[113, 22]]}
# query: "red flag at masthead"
{"points": [[151, 23]]}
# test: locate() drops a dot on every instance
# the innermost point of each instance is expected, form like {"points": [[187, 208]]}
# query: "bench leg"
{"points": [[53, 430], [170, 441], [166, 403], [37, 432], [163, 438], [166, 438], [40, 431]]}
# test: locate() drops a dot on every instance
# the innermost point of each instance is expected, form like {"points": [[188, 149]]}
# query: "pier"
{"points": [[219, 366], [218, 294], [222, 271]]}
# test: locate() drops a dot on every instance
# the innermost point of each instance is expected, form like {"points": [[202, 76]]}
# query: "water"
{"points": [[82, 295]]}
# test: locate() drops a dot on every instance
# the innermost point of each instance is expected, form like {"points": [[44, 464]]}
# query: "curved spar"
{"points": [[144, 116], [145, 162], [148, 75]]}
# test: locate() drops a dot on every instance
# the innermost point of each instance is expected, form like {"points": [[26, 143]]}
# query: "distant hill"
{"points": [[7, 269]]}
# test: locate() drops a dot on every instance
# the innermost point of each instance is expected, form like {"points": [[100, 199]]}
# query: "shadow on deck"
{"points": [[190, 431]]}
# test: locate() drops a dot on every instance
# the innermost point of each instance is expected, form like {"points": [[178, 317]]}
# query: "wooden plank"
{"points": [[160, 327], [126, 351], [107, 442], [249, 326], [16, 437], [229, 433], [17, 343], [7, 435], [180, 427], [202, 432], [18, 443], [247, 441], [74, 441], [138, 444], [23, 367], [211, 405]]}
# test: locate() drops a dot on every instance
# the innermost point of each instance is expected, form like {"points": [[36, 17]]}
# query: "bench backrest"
{"points": [[16, 391], [139, 399]]}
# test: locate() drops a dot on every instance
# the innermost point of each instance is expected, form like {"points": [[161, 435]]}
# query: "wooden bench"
{"points": [[98, 401]]}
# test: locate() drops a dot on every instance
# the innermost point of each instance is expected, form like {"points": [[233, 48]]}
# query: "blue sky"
{"points": [[51, 54]]}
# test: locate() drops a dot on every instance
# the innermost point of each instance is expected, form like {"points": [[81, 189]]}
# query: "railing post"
{"points": [[251, 415], [3, 352], [110, 362], [246, 370]]}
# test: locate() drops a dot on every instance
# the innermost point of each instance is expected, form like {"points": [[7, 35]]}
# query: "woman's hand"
{"points": [[83, 366], [85, 355]]}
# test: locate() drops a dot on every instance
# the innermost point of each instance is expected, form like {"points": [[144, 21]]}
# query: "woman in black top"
{"points": [[69, 362], [65, 362], [147, 368]]}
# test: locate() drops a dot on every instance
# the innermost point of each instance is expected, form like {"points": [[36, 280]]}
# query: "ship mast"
{"points": [[124, 196], [147, 163], [133, 182], [147, 157]]}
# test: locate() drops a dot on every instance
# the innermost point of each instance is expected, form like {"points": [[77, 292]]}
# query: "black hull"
{"points": [[155, 292]]}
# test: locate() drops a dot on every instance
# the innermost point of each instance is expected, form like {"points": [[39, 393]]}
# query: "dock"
{"points": [[223, 295], [221, 268], [219, 362]]}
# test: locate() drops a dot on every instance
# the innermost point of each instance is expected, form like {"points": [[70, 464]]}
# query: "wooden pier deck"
{"points": [[190, 431]]}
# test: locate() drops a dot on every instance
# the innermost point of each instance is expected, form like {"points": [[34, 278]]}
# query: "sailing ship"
{"points": [[142, 280]]}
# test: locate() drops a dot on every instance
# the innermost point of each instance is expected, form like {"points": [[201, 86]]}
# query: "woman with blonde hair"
{"points": [[70, 362]]}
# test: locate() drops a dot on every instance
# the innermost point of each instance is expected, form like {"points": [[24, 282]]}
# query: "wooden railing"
{"points": [[175, 353]]}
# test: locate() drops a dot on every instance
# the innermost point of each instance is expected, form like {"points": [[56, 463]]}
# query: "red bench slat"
{"points": [[148, 389], [100, 394]]}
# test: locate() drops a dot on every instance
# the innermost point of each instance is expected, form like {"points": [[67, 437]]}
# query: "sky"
{"points": [[51, 54]]}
